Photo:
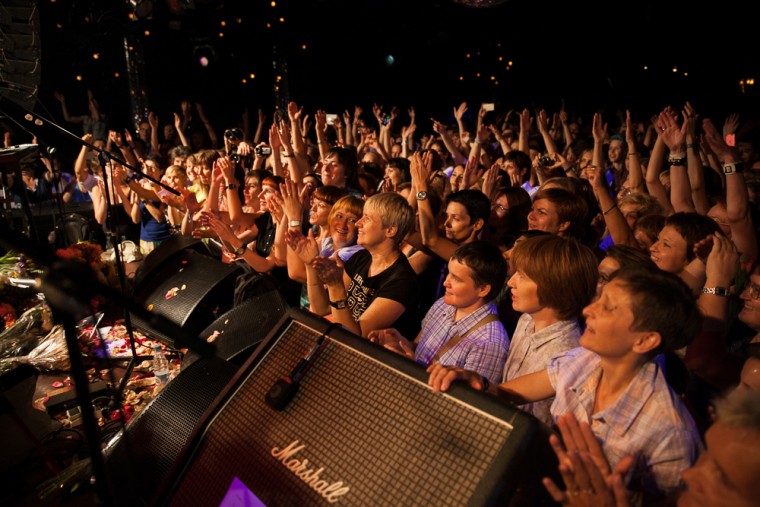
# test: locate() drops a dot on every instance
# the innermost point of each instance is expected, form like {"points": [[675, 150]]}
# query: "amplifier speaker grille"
{"points": [[366, 418]]}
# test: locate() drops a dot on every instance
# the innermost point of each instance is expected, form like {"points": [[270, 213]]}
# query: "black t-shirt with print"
{"points": [[398, 283]]}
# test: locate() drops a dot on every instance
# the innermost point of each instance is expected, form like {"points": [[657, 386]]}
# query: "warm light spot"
{"points": [[244, 80], [147, 33], [675, 69], [269, 25], [277, 88], [279, 78], [131, 16], [467, 55], [58, 25], [273, 4], [223, 23], [131, 48], [239, 20], [115, 74], [221, 34], [646, 67], [303, 46], [501, 58], [282, 20], [251, 75], [79, 78], [685, 73], [461, 78], [493, 78], [509, 63], [495, 82], [95, 56], [478, 74]]}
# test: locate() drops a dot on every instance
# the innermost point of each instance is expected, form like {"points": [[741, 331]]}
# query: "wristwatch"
{"points": [[338, 305], [231, 186], [422, 195], [294, 223], [717, 291], [733, 168], [240, 251]]}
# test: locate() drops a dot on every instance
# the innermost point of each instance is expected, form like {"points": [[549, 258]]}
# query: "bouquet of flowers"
{"points": [[84, 251]]}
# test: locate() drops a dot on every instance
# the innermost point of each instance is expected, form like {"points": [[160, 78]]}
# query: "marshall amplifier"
{"points": [[362, 428]]}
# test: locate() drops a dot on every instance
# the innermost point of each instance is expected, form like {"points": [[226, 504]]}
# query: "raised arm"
{"points": [[654, 185], [154, 126], [420, 170], [674, 137], [542, 121], [694, 162], [207, 124], [66, 116], [635, 172], [262, 119], [320, 119], [458, 115], [737, 197], [708, 356], [524, 135], [457, 155], [178, 129], [614, 219]]}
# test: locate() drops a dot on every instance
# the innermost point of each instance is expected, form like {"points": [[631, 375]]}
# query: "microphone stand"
{"points": [[104, 158]]}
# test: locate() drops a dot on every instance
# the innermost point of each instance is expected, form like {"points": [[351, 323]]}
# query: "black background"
{"points": [[586, 55]]}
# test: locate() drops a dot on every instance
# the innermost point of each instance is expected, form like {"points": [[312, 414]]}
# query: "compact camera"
{"points": [[234, 134], [262, 151], [545, 161]]}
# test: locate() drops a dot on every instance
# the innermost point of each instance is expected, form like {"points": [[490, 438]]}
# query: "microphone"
{"points": [[286, 387]]}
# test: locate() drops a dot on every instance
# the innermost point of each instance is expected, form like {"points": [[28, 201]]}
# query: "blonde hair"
{"points": [[394, 211]]}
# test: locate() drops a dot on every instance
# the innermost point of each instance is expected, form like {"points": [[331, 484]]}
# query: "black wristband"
{"points": [[486, 383]]}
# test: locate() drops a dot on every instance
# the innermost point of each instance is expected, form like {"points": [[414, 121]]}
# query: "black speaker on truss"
{"points": [[20, 51]]}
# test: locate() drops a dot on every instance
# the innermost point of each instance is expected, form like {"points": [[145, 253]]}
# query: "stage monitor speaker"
{"points": [[364, 428], [190, 289], [237, 332], [141, 459], [164, 252], [21, 425]]}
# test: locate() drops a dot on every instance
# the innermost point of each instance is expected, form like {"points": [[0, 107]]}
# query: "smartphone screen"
{"points": [[488, 107], [331, 118]]}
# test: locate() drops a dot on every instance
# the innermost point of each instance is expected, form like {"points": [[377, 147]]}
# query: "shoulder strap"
{"points": [[491, 317]]}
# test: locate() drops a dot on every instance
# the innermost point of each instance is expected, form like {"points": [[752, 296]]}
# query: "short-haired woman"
{"points": [[378, 288]]}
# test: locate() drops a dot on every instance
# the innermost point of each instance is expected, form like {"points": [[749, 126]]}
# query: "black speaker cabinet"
{"points": [[140, 461], [202, 288], [237, 332], [363, 429], [164, 252]]}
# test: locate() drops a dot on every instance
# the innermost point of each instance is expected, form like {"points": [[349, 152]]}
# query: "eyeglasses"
{"points": [[499, 207], [753, 291]]}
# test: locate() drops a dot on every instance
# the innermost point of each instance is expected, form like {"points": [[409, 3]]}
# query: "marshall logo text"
{"points": [[306, 472]]}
